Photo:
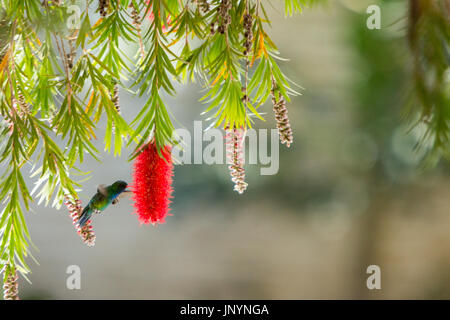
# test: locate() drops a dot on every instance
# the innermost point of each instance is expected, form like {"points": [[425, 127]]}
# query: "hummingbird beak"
{"points": [[124, 193]]}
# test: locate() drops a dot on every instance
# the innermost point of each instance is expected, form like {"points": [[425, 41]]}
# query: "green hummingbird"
{"points": [[105, 196]]}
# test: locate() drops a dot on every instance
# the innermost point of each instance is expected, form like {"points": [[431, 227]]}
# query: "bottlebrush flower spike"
{"points": [[137, 25], [103, 6], [281, 116], [115, 101], [115, 98], [152, 184], [11, 286], [235, 157], [86, 232]]}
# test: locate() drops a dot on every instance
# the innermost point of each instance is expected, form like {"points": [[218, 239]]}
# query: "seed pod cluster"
{"points": [[245, 98], [281, 116], [115, 97], [115, 101], [103, 7], [235, 157], [135, 16], [11, 287], [248, 33], [224, 14], [69, 60], [137, 24], [203, 5], [71, 55], [23, 106], [86, 232]]}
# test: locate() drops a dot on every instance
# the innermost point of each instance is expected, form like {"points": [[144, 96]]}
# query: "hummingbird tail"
{"points": [[85, 215]]}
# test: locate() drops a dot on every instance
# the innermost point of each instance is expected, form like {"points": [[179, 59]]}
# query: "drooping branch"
{"points": [[429, 40]]}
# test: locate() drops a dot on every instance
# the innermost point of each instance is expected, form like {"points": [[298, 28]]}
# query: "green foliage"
{"points": [[296, 6], [429, 36], [57, 80]]}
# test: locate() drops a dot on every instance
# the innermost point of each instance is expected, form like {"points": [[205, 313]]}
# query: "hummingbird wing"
{"points": [[102, 190]]}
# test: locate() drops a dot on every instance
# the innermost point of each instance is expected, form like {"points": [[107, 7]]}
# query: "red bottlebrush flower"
{"points": [[152, 184], [86, 232]]}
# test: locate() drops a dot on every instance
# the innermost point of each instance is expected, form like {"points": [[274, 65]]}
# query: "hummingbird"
{"points": [[105, 196]]}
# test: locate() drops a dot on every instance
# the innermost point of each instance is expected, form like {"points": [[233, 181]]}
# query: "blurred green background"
{"points": [[350, 192]]}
